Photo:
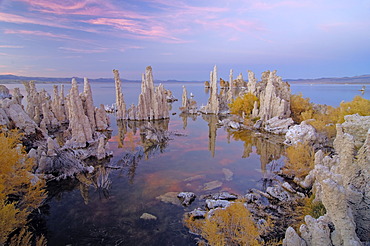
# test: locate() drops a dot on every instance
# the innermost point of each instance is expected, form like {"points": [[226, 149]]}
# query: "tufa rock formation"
{"points": [[152, 103], [188, 106], [212, 106], [341, 183]]}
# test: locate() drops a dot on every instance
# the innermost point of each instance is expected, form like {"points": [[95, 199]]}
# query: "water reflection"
{"points": [[153, 139], [212, 131], [268, 147]]}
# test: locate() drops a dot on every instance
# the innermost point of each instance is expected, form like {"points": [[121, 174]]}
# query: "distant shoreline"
{"points": [[13, 79]]}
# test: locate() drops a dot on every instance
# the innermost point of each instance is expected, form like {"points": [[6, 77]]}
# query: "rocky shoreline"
{"points": [[62, 133]]}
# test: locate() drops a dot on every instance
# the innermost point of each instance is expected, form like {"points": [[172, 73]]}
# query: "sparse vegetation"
{"points": [[233, 225], [300, 160], [324, 122], [308, 206], [243, 105], [20, 191]]}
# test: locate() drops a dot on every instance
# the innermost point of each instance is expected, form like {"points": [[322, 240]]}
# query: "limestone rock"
{"points": [[316, 232], [278, 193], [13, 112], [212, 106], [277, 125], [57, 104], [211, 204], [252, 83], [147, 216], [224, 195], [17, 96], [341, 182], [120, 102], [4, 92], [300, 133], [102, 120], [357, 126], [52, 146], [169, 197], [186, 197], [101, 152], [198, 213], [292, 238], [212, 185], [88, 104], [79, 123], [274, 97], [189, 105]]}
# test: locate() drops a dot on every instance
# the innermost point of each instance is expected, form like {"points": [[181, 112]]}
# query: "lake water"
{"points": [[105, 208]]}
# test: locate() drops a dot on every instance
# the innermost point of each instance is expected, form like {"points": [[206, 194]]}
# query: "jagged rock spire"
{"points": [[120, 102]]}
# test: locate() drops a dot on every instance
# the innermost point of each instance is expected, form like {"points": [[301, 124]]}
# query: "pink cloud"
{"points": [[37, 33], [138, 29], [10, 18]]}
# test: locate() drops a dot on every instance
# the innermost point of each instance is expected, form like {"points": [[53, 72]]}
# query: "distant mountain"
{"points": [[9, 78], [363, 79]]}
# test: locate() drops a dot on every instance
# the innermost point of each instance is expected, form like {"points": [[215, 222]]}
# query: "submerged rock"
{"points": [[147, 216], [228, 174], [212, 185], [169, 197]]}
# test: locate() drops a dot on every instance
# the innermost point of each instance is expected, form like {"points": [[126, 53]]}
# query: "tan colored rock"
{"points": [[79, 123], [274, 98], [120, 102], [102, 120], [88, 104], [212, 106]]}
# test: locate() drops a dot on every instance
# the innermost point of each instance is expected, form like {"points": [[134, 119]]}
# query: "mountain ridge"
{"points": [[10, 78]]}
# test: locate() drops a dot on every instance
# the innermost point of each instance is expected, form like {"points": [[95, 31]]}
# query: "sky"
{"points": [[184, 39]]}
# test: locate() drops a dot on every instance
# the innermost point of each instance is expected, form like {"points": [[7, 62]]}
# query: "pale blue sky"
{"points": [[183, 39]]}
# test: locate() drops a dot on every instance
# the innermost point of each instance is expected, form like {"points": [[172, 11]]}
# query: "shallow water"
{"points": [[105, 208]]}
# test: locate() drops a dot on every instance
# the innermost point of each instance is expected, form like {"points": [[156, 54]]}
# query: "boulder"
{"points": [[147, 216], [186, 198], [211, 204], [277, 125], [303, 132]]}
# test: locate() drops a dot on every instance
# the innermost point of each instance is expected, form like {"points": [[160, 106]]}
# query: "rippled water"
{"points": [[105, 208]]}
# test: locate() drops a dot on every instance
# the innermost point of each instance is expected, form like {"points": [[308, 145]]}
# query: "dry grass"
{"points": [[300, 160]]}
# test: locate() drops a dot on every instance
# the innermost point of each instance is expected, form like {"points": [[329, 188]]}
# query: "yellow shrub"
{"points": [[300, 160], [358, 105], [233, 225], [298, 106], [19, 196], [243, 104]]}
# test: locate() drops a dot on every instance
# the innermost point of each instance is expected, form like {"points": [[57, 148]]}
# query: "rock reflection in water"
{"points": [[268, 146], [212, 131], [154, 139]]}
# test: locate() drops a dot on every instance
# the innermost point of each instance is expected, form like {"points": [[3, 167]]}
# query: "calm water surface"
{"points": [[105, 208]]}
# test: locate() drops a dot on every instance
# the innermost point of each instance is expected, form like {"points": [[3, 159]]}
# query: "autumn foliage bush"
{"points": [[20, 191], [325, 122], [300, 160], [243, 105], [233, 225]]}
